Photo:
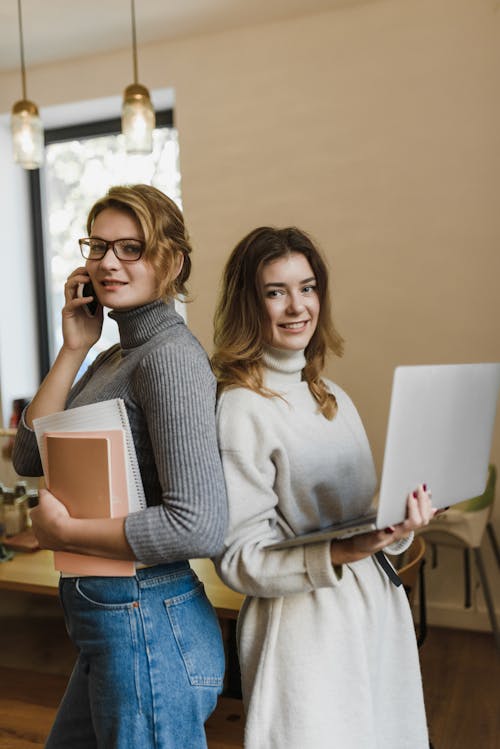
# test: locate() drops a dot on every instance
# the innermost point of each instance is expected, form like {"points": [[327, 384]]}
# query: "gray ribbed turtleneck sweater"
{"points": [[163, 375]]}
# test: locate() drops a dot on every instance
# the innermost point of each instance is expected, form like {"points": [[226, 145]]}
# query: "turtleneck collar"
{"points": [[282, 367], [138, 325]]}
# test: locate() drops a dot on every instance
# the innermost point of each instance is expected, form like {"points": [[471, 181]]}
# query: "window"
{"points": [[81, 163]]}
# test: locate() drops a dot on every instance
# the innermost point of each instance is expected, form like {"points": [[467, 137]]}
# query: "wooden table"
{"points": [[33, 572], [30, 572], [225, 601]]}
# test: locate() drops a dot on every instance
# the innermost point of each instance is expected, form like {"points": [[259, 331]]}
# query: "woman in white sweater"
{"points": [[326, 642]]}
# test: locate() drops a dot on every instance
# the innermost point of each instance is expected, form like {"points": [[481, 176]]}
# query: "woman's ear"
{"points": [[179, 265], [167, 285]]}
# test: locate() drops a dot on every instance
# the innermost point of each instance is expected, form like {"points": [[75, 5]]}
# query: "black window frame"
{"points": [[164, 118]]}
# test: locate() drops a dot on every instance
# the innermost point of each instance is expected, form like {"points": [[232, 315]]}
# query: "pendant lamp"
{"points": [[25, 123], [138, 116]]}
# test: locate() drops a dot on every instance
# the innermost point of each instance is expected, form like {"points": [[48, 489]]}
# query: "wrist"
{"points": [[69, 360], [61, 533], [347, 550], [339, 551], [75, 353]]}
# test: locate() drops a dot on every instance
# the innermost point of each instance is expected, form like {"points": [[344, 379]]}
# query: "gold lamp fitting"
{"points": [[27, 106], [136, 92]]}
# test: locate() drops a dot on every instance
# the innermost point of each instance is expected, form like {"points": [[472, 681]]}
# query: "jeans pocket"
{"points": [[107, 593], [198, 637]]}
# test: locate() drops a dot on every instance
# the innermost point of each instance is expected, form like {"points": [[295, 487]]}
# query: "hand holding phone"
{"points": [[86, 289]]}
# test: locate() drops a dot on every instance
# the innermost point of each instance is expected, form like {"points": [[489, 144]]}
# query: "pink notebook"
{"points": [[87, 472]]}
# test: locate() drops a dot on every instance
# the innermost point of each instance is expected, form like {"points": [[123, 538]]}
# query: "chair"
{"points": [[410, 568], [411, 571], [463, 526]]}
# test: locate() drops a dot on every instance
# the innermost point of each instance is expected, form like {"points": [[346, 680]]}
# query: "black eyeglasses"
{"points": [[127, 250]]}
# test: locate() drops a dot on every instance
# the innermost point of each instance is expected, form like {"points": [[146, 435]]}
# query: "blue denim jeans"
{"points": [[150, 663]]}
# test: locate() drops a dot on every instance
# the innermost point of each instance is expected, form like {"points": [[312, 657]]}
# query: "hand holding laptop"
{"points": [[419, 512], [440, 429]]}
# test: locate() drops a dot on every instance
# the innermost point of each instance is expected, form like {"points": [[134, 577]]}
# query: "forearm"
{"points": [[169, 533], [56, 530], [53, 392], [251, 568], [394, 539], [348, 550], [104, 538]]}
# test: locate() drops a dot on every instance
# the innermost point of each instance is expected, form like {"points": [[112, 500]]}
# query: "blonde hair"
{"points": [[240, 315], [162, 224]]}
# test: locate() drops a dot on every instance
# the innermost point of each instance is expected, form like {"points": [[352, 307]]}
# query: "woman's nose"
{"points": [[109, 259], [295, 303]]}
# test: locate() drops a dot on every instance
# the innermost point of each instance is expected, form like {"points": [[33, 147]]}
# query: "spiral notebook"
{"points": [[110, 414]]}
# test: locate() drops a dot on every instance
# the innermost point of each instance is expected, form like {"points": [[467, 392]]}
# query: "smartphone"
{"points": [[86, 289]]}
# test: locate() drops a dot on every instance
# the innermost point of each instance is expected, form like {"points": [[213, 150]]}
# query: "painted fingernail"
{"points": [[389, 529], [415, 495], [424, 487]]}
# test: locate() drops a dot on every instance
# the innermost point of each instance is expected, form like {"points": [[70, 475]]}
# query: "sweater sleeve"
{"points": [[398, 547], [254, 518], [25, 456], [175, 389]]}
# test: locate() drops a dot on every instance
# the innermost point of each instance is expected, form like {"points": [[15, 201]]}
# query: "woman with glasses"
{"points": [[150, 656]]}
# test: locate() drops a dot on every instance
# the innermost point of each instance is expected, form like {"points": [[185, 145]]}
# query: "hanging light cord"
{"points": [[134, 40], [21, 44]]}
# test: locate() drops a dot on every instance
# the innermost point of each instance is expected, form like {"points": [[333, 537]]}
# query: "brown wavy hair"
{"points": [[162, 224], [240, 315]]}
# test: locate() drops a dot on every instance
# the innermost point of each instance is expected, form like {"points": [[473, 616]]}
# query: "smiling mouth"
{"points": [[114, 282], [294, 325]]}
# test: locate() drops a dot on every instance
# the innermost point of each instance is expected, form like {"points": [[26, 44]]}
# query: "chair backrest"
{"points": [[483, 500], [411, 560]]}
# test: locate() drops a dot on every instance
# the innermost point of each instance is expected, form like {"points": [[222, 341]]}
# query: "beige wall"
{"points": [[375, 128]]}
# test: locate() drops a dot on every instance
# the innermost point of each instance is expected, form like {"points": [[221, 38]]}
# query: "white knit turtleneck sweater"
{"points": [[301, 471], [327, 661], [282, 367]]}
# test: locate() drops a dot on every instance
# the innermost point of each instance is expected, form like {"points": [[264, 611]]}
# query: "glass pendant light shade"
{"points": [[25, 123], [27, 134], [138, 115], [138, 119]]}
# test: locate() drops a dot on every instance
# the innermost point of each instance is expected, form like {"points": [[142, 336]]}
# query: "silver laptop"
{"points": [[439, 432]]}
